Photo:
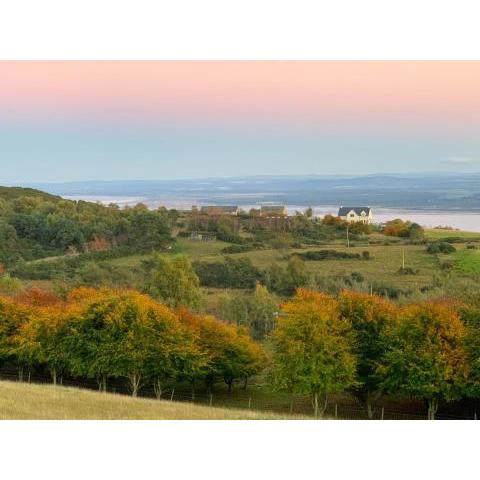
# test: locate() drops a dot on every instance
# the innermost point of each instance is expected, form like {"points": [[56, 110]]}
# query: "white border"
{"points": [[247, 29]]}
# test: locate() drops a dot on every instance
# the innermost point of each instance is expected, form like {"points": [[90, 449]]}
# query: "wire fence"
{"points": [[340, 408]]}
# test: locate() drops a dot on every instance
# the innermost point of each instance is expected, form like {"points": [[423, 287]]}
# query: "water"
{"points": [[461, 220]]}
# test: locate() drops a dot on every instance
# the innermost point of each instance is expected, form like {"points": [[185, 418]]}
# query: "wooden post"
{"points": [[171, 396], [383, 411], [403, 258], [348, 238], [475, 416], [211, 399], [336, 410], [249, 402]]}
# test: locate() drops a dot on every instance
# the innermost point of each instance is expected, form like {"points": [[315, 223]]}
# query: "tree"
{"points": [[406, 229], [425, 355], [174, 281], [229, 351], [124, 334], [42, 340], [257, 311], [368, 315], [312, 351], [12, 317], [263, 312], [470, 315]]}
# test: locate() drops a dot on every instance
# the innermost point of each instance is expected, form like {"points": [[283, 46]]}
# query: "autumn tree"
{"points": [[368, 315], [425, 356], [229, 351], [42, 339], [12, 317], [312, 348]]}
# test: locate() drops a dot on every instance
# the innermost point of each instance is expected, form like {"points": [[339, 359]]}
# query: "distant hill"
{"points": [[422, 191]]}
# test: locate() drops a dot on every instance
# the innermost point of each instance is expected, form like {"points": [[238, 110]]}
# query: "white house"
{"points": [[356, 214]]}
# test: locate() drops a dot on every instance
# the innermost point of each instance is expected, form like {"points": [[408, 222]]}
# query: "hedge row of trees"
{"points": [[370, 346], [105, 334]]}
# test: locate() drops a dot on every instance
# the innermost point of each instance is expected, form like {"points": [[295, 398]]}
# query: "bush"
{"points": [[233, 273], [327, 255], [237, 248], [440, 247], [357, 277]]}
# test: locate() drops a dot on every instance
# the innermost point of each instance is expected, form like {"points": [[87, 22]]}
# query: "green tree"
{"points": [[425, 355], [369, 316], [312, 351], [174, 281]]}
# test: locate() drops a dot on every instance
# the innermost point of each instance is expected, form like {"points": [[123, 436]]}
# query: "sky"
{"points": [[94, 120]]}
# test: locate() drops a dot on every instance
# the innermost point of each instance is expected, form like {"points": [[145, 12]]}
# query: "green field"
{"points": [[468, 261], [441, 233], [383, 265], [21, 401]]}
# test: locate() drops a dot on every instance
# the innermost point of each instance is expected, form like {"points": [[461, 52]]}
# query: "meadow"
{"points": [[22, 401]]}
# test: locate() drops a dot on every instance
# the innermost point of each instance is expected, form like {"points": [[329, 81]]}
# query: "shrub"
{"points": [[440, 247], [327, 255]]}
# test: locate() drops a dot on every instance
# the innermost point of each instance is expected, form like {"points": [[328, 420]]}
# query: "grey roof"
{"points": [[343, 211]]}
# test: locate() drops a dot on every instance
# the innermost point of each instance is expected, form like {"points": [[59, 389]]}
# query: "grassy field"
{"points": [[468, 261], [439, 233], [21, 401], [383, 265]]}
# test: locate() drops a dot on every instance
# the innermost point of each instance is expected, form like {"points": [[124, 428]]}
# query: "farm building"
{"points": [[219, 210], [273, 211], [356, 214]]}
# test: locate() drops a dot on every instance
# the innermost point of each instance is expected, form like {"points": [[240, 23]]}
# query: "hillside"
{"points": [[21, 401], [12, 193]]}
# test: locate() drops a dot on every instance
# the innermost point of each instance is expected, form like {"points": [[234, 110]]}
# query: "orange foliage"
{"points": [[37, 297]]}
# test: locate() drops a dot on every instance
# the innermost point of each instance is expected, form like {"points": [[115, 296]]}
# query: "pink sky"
{"points": [[407, 95]]}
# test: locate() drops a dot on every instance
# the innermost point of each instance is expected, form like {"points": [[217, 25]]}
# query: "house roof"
{"points": [[219, 208], [272, 208], [343, 211]]}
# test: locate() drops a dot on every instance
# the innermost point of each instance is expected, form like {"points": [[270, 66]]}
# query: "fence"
{"points": [[281, 404]]}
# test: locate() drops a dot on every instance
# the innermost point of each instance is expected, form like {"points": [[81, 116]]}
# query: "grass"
{"points": [[468, 261], [440, 233], [383, 266], [21, 401]]}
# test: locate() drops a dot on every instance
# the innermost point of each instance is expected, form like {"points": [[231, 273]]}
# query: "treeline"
{"points": [[37, 225], [105, 334], [370, 346], [320, 344]]}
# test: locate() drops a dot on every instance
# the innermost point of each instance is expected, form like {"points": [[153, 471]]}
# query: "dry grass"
{"points": [[20, 401]]}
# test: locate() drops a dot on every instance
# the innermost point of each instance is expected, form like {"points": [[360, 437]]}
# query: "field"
{"points": [[383, 266], [21, 401], [441, 233], [467, 261]]}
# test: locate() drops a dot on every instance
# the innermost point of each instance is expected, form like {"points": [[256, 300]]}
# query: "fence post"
{"points": [[336, 410], [475, 416], [171, 396], [383, 412], [211, 399], [249, 402]]}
